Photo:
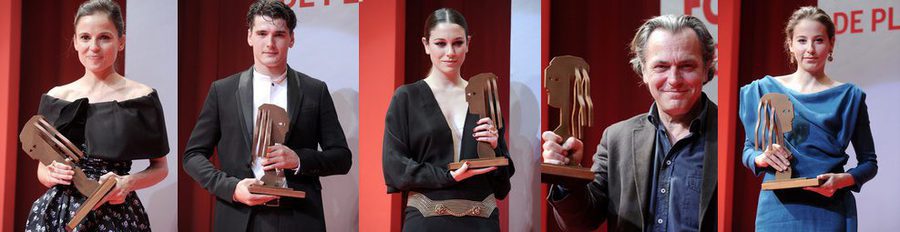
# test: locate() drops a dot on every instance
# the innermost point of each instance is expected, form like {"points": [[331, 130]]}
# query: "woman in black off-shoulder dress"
{"points": [[113, 120]]}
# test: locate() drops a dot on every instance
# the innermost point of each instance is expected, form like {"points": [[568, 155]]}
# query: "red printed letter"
{"points": [[304, 3], [291, 4], [709, 14], [854, 21], [840, 22], [689, 5], [891, 25], [877, 17]]}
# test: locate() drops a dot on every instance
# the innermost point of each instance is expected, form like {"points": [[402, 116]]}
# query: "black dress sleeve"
{"points": [[68, 118], [500, 177], [128, 130], [402, 173]]}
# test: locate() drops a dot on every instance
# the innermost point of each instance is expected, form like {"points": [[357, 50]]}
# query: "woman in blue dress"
{"points": [[828, 116]]}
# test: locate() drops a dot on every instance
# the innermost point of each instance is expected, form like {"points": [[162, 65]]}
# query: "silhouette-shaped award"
{"points": [[44, 143], [775, 116], [483, 99], [569, 90], [272, 124]]}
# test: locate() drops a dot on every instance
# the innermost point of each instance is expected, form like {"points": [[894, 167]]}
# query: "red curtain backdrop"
{"points": [[48, 59], [10, 29], [212, 44], [761, 53], [545, 125], [599, 32], [489, 26]]}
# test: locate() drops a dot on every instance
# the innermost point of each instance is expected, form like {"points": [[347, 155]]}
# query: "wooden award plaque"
{"points": [[775, 114], [569, 90], [483, 99], [91, 203], [42, 142], [272, 124]]}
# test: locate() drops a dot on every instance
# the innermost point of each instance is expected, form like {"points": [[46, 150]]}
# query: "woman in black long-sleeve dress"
{"points": [[428, 126]]}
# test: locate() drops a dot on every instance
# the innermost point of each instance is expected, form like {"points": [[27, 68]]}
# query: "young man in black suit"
{"points": [[226, 126]]}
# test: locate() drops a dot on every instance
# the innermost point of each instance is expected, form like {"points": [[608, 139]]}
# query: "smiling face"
{"points": [[447, 46], [270, 40], [97, 43], [674, 70], [810, 46]]}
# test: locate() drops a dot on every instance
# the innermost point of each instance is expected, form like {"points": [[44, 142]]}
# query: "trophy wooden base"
{"points": [[276, 191], [552, 173], [480, 163], [90, 203], [791, 183]]}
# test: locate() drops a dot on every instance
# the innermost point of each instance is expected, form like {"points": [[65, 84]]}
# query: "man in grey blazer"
{"points": [[655, 171], [225, 126]]}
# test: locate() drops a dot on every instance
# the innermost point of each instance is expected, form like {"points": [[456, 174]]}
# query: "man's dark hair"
{"points": [[273, 10]]}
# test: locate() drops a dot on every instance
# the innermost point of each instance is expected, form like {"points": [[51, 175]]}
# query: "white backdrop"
{"points": [[708, 12], [525, 115], [327, 48], [152, 59], [868, 55]]}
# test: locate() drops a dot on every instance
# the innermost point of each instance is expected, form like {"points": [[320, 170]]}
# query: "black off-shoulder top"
{"points": [[114, 130]]}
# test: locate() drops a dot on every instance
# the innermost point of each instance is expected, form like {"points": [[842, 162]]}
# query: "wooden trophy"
{"points": [[569, 90], [42, 142], [481, 94], [272, 124], [776, 116]]}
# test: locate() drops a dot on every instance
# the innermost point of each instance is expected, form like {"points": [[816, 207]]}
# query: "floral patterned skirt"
{"points": [[53, 210]]}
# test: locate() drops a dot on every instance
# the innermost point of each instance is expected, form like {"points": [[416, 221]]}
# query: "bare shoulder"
{"points": [[136, 89], [64, 92]]}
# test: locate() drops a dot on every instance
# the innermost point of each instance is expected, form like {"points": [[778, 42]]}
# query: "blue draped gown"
{"points": [[825, 123]]}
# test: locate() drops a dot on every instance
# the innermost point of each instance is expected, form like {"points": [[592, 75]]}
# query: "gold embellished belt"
{"points": [[452, 207]]}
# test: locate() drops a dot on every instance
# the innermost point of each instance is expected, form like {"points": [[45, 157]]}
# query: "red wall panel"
{"points": [[212, 44]]}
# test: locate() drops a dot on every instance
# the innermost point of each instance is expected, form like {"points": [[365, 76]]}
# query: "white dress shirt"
{"points": [[267, 90]]}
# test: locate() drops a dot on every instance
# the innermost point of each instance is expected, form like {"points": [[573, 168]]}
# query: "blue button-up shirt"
{"points": [[677, 176]]}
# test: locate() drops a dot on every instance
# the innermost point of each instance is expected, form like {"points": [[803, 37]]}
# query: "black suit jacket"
{"points": [[225, 125], [622, 167]]}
